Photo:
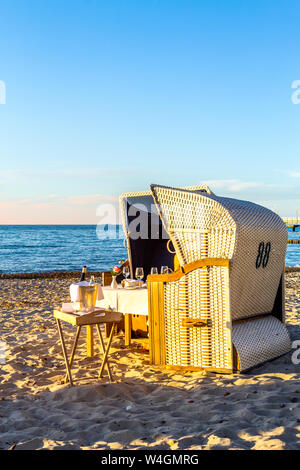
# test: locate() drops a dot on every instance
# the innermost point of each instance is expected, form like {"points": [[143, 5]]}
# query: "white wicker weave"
{"points": [[259, 340]]}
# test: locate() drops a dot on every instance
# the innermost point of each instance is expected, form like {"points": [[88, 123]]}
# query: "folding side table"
{"points": [[97, 317]]}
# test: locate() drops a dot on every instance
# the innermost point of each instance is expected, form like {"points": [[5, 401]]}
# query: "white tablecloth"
{"points": [[134, 301]]}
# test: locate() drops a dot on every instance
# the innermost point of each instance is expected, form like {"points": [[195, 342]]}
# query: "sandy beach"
{"points": [[145, 407]]}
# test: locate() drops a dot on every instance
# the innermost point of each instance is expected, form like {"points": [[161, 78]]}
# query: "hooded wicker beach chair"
{"points": [[223, 308]]}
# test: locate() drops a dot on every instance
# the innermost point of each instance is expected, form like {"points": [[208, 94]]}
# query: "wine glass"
{"points": [[164, 270], [154, 271], [139, 273], [126, 271]]}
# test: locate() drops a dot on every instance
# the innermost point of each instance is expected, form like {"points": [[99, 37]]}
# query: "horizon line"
{"points": [[22, 225]]}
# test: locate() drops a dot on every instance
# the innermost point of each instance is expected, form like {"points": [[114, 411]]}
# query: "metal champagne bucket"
{"points": [[87, 297]]}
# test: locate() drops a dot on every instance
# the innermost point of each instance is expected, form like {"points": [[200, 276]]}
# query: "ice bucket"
{"points": [[87, 297]]}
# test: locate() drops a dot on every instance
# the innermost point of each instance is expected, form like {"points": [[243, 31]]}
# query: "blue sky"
{"points": [[106, 97]]}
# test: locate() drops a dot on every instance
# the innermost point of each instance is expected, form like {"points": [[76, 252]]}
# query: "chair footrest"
{"points": [[259, 340]]}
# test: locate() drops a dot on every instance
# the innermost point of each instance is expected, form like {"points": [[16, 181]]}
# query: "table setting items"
{"points": [[116, 270], [133, 283], [126, 271], [165, 270], [138, 282]]}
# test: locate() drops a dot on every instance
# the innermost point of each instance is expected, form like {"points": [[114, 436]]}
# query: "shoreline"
{"points": [[49, 275], [72, 274]]}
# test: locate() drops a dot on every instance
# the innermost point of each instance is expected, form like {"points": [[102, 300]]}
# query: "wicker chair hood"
{"points": [[206, 225]]}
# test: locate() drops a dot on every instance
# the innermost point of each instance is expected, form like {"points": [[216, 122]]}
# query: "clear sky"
{"points": [[104, 97]]}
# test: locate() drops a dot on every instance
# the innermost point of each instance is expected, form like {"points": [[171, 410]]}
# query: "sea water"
{"points": [[48, 248]]}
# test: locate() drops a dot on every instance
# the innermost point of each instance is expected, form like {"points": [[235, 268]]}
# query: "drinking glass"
{"points": [[126, 271], [154, 271], [164, 270], [139, 273]]}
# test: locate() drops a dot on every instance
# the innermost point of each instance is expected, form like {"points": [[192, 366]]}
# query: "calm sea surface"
{"points": [[46, 248]]}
